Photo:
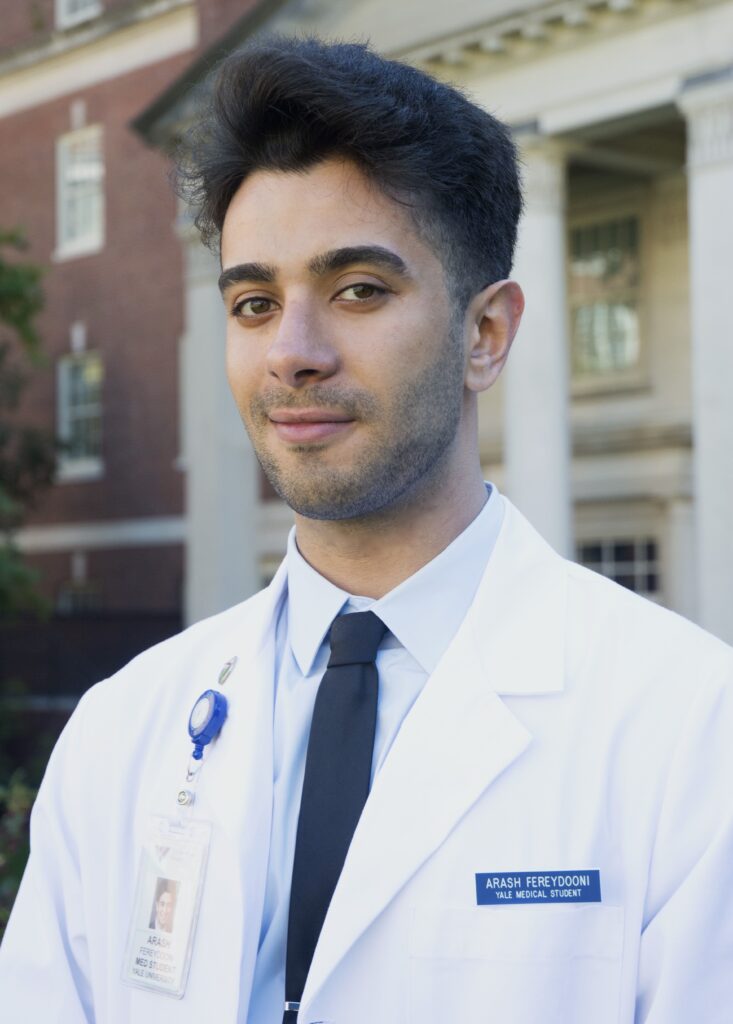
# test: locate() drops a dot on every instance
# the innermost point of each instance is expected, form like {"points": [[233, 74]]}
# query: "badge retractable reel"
{"points": [[204, 724], [172, 866]]}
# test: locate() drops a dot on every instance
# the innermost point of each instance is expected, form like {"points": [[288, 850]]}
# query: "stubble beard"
{"points": [[409, 444]]}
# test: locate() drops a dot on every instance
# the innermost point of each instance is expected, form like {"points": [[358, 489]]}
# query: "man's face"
{"points": [[164, 909], [342, 354]]}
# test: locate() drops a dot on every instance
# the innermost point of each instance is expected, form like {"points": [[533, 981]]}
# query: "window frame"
{"points": [[617, 521], [75, 599], [69, 248], [632, 378], [65, 18], [637, 567], [74, 468]]}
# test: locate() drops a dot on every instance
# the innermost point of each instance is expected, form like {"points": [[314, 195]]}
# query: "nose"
{"points": [[301, 353]]}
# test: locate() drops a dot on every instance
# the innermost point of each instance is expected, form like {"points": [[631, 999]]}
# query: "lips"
{"points": [[304, 425]]}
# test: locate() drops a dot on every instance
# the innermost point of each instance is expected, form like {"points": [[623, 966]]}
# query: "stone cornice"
{"points": [[607, 440], [532, 33], [612, 440], [62, 41], [707, 103]]}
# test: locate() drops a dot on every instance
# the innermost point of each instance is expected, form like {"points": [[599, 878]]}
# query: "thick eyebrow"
{"points": [[338, 259], [327, 262], [263, 273]]}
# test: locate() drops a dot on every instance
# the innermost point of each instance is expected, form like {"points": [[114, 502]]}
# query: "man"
{"points": [[506, 799]]}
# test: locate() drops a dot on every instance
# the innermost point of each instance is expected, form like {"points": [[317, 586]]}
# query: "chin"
{"points": [[336, 503]]}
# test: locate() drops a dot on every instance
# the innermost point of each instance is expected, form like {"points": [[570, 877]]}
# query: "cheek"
{"points": [[240, 368], [404, 348]]}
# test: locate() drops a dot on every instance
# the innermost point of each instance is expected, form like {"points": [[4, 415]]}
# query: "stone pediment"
{"points": [[468, 34], [534, 30], [464, 39]]}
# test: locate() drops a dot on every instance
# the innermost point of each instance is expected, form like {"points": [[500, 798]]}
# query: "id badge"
{"points": [[167, 900]]}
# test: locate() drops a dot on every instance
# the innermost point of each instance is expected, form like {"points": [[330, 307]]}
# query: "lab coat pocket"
{"points": [[518, 965]]}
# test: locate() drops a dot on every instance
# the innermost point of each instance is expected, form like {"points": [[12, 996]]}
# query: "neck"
{"points": [[371, 556]]}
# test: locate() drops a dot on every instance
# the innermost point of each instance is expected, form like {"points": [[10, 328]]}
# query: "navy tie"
{"points": [[338, 769]]}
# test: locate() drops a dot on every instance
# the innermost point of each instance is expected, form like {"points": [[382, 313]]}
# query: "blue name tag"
{"points": [[537, 887]]}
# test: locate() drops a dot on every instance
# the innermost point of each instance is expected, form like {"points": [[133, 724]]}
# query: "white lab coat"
{"points": [[569, 726]]}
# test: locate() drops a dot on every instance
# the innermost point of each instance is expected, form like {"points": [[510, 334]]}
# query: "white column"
{"points": [[222, 478], [679, 581], [708, 107], [537, 441]]}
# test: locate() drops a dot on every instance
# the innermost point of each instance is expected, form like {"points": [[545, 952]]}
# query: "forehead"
{"points": [[286, 218]]}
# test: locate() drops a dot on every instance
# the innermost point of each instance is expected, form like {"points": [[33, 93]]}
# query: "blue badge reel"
{"points": [[206, 719]]}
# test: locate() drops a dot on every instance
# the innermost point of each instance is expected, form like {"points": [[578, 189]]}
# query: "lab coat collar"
{"points": [[458, 738], [518, 620], [250, 694]]}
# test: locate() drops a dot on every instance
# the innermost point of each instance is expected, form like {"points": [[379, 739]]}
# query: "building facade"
{"points": [[612, 428], [95, 205]]}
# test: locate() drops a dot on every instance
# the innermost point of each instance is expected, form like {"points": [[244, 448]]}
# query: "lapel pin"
{"points": [[227, 670]]}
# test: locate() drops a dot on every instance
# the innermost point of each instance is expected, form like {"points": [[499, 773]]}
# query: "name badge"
{"points": [[537, 887], [167, 900]]}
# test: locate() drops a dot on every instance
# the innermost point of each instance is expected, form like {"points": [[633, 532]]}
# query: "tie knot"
{"points": [[355, 638]]}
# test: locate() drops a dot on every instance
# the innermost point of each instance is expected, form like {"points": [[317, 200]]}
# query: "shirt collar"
{"points": [[313, 604], [423, 612]]}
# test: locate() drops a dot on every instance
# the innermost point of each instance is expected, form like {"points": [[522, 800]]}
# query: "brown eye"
{"points": [[256, 306], [360, 292]]}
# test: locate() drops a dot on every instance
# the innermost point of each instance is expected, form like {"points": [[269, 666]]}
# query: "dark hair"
{"points": [[287, 104]]}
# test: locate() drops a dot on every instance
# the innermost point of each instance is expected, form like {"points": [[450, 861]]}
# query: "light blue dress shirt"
{"points": [[422, 615]]}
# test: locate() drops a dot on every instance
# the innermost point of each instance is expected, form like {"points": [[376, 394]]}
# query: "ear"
{"points": [[493, 317]]}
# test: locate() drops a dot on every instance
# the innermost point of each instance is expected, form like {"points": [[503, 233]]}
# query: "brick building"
{"points": [[96, 207]]}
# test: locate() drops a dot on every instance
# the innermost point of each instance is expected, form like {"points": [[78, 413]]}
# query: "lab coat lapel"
{"points": [[239, 790], [236, 780], [458, 738], [234, 793]]}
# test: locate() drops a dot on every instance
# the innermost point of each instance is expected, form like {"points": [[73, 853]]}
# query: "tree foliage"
{"points": [[27, 459], [16, 801], [27, 453]]}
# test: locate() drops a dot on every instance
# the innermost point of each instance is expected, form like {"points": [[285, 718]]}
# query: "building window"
{"points": [[80, 415], [604, 295], [80, 192], [78, 596], [631, 561], [73, 12], [77, 599]]}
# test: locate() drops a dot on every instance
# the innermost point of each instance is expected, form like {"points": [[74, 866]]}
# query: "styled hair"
{"points": [[287, 104]]}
